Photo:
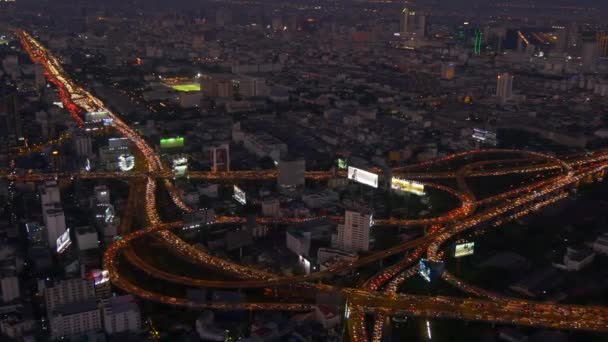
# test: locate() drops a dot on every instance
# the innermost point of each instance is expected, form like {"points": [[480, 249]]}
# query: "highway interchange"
{"points": [[376, 295]]}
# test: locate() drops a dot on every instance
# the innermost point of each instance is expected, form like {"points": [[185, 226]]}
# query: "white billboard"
{"points": [[64, 241], [464, 249], [180, 165], [126, 162], [239, 195], [363, 177], [407, 186]]}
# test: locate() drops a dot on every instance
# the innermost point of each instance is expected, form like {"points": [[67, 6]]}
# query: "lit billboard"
{"points": [[172, 142], [102, 116], [126, 162], [98, 276], [180, 165], [464, 249], [407, 186], [63, 241], [430, 270], [342, 164], [239, 195], [363, 177]]}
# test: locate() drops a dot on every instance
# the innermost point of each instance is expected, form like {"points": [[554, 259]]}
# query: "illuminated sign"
{"points": [[180, 166], [407, 186], [172, 142], [98, 276], [64, 241], [239, 195], [464, 249], [126, 162], [482, 135], [109, 214], [342, 164], [102, 116], [430, 270], [363, 177]]}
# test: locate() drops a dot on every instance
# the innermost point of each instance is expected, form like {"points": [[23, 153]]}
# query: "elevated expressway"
{"points": [[503, 206]]}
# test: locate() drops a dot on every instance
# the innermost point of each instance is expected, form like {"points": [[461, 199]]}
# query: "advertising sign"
{"points": [[430, 270], [63, 241], [407, 186], [239, 195], [363, 177], [172, 142], [126, 162], [464, 249]]}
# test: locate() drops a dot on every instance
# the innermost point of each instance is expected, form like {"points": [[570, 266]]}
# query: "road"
{"points": [[502, 207]]}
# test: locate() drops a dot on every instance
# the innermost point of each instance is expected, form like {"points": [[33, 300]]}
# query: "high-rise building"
{"points": [[589, 52], [353, 235], [74, 319], [9, 113], [561, 36], [478, 42], [49, 193], [602, 44], [412, 23], [83, 145], [504, 87], [68, 291], [121, 314], [54, 221]]}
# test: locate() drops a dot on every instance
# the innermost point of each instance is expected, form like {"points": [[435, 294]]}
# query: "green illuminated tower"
{"points": [[478, 40]]}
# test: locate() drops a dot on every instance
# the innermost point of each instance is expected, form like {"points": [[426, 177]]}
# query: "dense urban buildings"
{"points": [[265, 171]]}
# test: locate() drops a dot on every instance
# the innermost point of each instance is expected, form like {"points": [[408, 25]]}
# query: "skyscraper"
{"points": [[602, 44], [353, 235], [504, 87], [561, 35], [412, 23], [589, 52], [478, 41]]}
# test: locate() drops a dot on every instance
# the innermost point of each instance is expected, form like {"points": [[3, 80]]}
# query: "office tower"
{"points": [[573, 36], [54, 221], [448, 71], [353, 235], [49, 193], [561, 42], [9, 113], [504, 87], [83, 145], [602, 44], [412, 23], [478, 42], [589, 52]]}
